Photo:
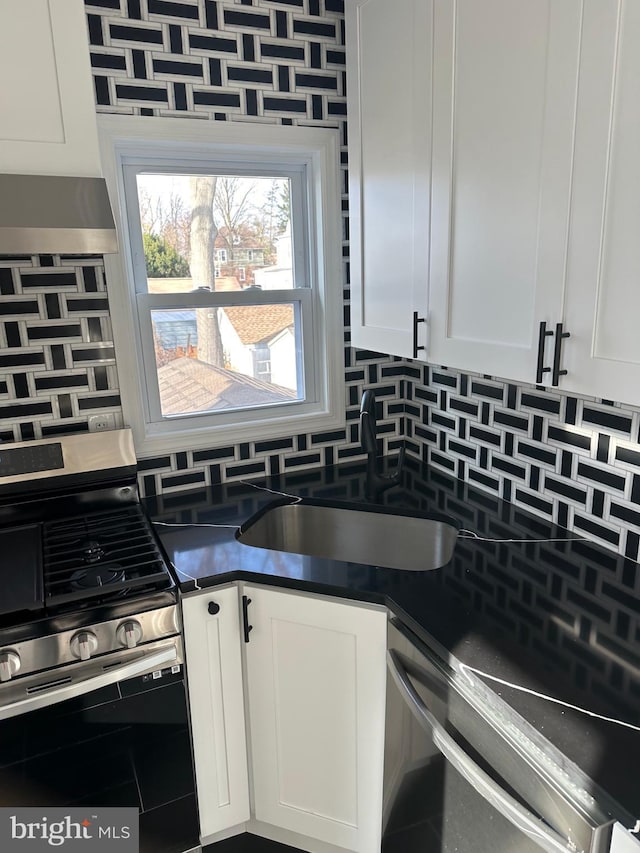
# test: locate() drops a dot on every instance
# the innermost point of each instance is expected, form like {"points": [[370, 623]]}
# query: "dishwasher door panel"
{"points": [[438, 811], [454, 783]]}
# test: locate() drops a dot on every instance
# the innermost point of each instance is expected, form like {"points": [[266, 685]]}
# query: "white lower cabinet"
{"points": [[315, 678], [216, 701], [622, 842]]}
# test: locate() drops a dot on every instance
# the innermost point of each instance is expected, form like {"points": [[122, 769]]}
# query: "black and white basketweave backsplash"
{"points": [[57, 360], [274, 62], [575, 461], [283, 61], [266, 60]]}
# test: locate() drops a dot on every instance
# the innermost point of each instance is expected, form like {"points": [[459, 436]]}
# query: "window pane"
{"points": [[237, 357], [217, 232]]}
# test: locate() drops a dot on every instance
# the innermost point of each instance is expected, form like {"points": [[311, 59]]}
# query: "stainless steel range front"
{"points": [[91, 661]]}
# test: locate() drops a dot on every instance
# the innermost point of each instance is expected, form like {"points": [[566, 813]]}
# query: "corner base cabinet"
{"points": [[313, 707], [316, 675]]}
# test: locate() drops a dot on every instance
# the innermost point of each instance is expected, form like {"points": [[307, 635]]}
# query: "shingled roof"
{"points": [[257, 323], [190, 385]]}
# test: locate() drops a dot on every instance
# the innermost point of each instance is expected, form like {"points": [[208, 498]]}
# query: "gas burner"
{"points": [[92, 551], [97, 576], [100, 556]]}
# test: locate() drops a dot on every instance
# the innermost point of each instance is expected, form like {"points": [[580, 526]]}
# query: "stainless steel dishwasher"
{"points": [[457, 780]]}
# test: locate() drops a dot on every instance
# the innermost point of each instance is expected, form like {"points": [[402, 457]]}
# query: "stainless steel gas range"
{"points": [[91, 662]]}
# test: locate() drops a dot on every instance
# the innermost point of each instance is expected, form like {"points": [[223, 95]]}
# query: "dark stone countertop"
{"points": [[558, 618]]}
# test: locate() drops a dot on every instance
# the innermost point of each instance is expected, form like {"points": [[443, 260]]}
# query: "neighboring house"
{"points": [[188, 385], [282, 351], [240, 262], [240, 255], [259, 341], [280, 275], [176, 330]]}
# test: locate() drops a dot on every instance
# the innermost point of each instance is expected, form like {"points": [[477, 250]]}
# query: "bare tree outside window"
{"points": [[203, 273], [233, 208]]}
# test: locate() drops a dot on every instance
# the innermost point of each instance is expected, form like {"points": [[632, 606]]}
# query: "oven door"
{"points": [[454, 784], [119, 738]]}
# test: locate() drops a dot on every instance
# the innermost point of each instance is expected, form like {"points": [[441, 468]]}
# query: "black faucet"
{"points": [[376, 481]]}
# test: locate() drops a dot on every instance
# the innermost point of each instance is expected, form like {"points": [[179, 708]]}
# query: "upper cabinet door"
{"points": [[47, 109], [505, 82], [602, 356], [389, 85]]}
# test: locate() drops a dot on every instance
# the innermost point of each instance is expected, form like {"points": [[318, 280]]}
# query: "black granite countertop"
{"points": [[560, 618]]}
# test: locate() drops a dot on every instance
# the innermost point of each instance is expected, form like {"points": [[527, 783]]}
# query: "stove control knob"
{"points": [[9, 664], [84, 644], [129, 634]]}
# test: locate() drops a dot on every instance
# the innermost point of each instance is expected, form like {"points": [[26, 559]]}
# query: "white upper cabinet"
{"points": [[495, 184], [47, 109], [602, 356], [505, 82], [389, 86]]}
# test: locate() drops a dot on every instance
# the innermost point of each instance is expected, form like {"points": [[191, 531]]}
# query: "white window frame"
{"points": [[196, 144]]}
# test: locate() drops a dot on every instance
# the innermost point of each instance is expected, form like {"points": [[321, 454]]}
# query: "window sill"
{"points": [[152, 443]]}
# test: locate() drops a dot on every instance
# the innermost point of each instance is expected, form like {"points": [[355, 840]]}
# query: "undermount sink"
{"points": [[355, 534]]}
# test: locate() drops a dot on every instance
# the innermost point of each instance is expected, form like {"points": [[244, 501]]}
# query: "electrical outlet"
{"points": [[100, 423]]}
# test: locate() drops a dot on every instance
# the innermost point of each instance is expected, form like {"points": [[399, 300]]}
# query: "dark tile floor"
{"points": [[249, 844]]}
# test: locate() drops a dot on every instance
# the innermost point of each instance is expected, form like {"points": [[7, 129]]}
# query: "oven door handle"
{"points": [[45, 697], [488, 789]]}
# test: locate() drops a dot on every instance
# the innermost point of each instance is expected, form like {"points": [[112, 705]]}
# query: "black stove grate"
{"points": [[105, 556]]}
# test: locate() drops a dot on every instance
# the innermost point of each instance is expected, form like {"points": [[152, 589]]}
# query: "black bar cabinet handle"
{"points": [[557, 353], [416, 320], [541, 339], [246, 601]]}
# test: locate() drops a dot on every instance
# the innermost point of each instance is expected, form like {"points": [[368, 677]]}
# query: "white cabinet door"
{"points": [[505, 78], [316, 691], [622, 842], [47, 108], [602, 356], [216, 699], [389, 114]]}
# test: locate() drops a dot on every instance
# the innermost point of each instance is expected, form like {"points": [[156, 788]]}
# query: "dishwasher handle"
{"points": [[488, 789]]}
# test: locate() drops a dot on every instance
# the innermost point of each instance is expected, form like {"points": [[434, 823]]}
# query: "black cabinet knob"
{"points": [[213, 608]]}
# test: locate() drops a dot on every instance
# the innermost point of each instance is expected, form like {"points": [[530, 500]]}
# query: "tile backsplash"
{"points": [[57, 360], [266, 61], [572, 460]]}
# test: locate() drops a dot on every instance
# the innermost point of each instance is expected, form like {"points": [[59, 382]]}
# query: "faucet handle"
{"points": [[368, 422], [395, 477]]}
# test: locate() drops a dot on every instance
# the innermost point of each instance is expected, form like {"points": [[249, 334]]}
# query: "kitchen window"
{"points": [[193, 331]]}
